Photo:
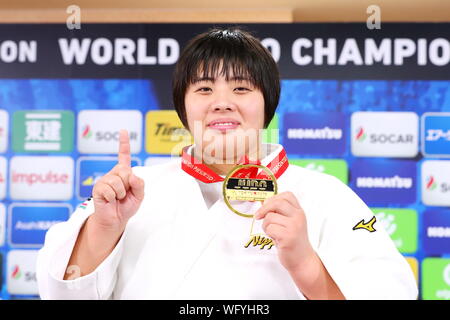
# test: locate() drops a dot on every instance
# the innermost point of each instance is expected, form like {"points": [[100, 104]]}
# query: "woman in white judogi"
{"points": [[165, 232]]}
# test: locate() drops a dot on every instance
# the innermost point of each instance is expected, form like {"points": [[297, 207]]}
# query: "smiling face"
{"points": [[225, 117], [225, 89]]}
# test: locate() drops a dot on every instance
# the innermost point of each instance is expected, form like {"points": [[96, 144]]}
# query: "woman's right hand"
{"points": [[118, 194]]}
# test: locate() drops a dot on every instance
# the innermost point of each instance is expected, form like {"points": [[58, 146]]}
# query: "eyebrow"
{"points": [[237, 78]]}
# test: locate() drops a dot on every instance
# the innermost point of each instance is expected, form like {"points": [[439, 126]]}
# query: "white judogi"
{"points": [[184, 243]]}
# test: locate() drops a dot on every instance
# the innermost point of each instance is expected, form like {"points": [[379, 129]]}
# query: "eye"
{"points": [[242, 89], [203, 89]]}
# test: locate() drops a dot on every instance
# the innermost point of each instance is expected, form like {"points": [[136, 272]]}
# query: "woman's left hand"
{"points": [[285, 223]]}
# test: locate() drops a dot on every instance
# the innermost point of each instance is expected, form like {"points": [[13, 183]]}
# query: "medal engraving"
{"points": [[248, 189]]}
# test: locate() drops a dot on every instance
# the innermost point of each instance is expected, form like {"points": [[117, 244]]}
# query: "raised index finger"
{"points": [[124, 155]]}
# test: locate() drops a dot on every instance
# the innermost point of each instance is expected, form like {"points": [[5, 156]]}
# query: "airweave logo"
{"points": [[382, 182], [316, 133], [437, 231], [436, 182], [436, 134], [385, 134], [98, 130]]}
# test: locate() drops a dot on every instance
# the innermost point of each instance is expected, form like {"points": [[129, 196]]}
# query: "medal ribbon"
{"points": [[203, 173]]}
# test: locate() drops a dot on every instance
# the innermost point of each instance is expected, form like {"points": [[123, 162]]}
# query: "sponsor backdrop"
{"points": [[371, 107]]}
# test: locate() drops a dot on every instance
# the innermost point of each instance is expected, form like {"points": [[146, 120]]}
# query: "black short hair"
{"points": [[237, 52]]}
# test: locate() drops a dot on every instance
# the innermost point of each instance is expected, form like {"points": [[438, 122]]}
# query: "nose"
{"points": [[223, 102], [223, 106]]}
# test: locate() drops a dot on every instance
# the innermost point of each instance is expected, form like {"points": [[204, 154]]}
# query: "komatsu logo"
{"points": [[394, 182]]}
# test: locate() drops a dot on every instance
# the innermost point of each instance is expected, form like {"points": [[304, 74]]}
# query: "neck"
{"points": [[223, 166], [221, 169]]}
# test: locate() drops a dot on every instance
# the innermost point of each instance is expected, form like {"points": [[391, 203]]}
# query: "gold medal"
{"points": [[237, 188], [248, 189]]}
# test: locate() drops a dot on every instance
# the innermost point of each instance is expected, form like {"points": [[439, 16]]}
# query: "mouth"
{"points": [[223, 124]]}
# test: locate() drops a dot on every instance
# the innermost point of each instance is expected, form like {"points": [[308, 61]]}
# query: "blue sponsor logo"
{"points": [[384, 182], [314, 133], [29, 223], [436, 226], [436, 134], [90, 169]]}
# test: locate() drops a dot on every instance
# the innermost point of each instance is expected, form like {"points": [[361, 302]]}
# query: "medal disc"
{"points": [[237, 188]]}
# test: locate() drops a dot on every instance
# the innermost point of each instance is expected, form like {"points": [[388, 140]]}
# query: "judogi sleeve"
{"points": [[54, 256], [364, 264]]}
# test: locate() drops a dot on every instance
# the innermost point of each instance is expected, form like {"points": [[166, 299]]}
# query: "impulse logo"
{"points": [[436, 135], [436, 182], [382, 182], [317, 133], [396, 137], [41, 178]]}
